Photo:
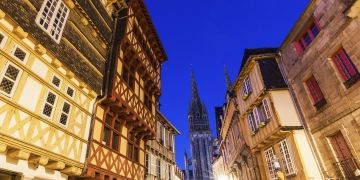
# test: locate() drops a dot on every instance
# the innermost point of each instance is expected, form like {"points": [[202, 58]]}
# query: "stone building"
{"points": [[321, 59], [160, 153], [200, 139], [48, 49], [263, 137]]}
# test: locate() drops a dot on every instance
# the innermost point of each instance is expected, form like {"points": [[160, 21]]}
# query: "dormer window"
{"points": [[307, 36], [247, 89]]}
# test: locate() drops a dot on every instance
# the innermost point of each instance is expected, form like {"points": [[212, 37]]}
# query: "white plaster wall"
{"points": [[285, 108], [311, 168], [30, 94], [23, 167]]}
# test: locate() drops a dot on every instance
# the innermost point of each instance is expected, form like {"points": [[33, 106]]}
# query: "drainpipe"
{"points": [[118, 28], [302, 118]]}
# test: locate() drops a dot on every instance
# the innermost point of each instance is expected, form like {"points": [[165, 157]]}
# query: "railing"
{"points": [[346, 168]]}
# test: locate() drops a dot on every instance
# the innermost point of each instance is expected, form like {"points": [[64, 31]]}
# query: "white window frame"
{"points": [[247, 85], [16, 82], [270, 159], [68, 115], [52, 78], [267, 108], [67, 88], [288, 163], [256, 117], [21, 48], [251, 122], [52, 19], [54, 105], [3, 42]]}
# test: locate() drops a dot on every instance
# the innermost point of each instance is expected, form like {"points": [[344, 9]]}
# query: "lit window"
{"points": [[345, 67], [270, 159], [308, 36], [266, 106], [65, 113], [9, 79], [49, 104], [247, 86], [52, 18], [56, 81], [3, 39], [19, 54], [287, 158]]}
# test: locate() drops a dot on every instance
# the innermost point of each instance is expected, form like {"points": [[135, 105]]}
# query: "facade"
{"points": [[125, 117], [160, 153], [48, 48], [200, 138], [320, 58]]}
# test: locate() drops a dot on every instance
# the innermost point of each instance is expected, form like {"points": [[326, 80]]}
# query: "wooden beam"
{"points": [[57, 165], [3, 148], [41, 160], [18, 154]]}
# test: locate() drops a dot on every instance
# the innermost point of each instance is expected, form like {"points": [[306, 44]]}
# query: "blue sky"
{"points": [[209, 34]]}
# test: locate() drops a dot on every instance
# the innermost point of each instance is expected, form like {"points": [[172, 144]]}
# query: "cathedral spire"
{"points": [[194, 90], [227, 79]]}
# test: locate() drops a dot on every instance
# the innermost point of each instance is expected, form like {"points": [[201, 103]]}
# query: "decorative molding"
{"points": [[19, 31], [18, 154], [40, 49], [56, 165]]}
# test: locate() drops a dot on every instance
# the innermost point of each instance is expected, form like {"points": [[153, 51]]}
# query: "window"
{"points": [[65, 113], [270, 158], [3, 39], [345, 67], [147, 163], [287, 158], [52, 18], [56, 81], [49, 104], [247, 86], [111, 132], [133, 147], [128, 77], [169, 172], [19, 54], [266, 107], [308, 36], [315, 92], [158, 168], [70, 92], [9, 79], [252, 123]]}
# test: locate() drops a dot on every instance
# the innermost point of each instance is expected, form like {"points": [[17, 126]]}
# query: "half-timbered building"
{"points": [[160, 153], [125, 117], [49, 49], [269, 121]]}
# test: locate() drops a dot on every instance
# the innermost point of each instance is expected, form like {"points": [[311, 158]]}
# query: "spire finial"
{"points": [[227, 79], [194, 90]]}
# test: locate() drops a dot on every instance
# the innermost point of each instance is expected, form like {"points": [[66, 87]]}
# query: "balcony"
{"points": [[161, 150], [131, 109], [346, 168]]}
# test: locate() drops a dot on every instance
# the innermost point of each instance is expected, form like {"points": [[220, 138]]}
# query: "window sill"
{"points": [[246, 96], [320, 104], [352, 81]]}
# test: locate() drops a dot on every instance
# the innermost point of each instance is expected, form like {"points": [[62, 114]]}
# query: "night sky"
{"points": [[208, 34]]}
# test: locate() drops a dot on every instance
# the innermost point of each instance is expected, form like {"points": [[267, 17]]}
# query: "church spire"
{"points": [[194, 90], [227, 79]]}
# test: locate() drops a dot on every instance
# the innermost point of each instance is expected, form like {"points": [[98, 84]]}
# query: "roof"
{"points": [[248, 52], [159, 51], [271, 74], [169, 123]]}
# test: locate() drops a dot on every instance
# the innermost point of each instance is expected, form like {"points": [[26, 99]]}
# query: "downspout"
{"points": [[302, 118], [117, 35]]}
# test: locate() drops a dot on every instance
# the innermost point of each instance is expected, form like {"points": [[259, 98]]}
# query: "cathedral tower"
{"points": [[200, 136]]}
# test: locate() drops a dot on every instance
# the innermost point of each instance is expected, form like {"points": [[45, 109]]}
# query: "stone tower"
{"points": [[200, 137]]}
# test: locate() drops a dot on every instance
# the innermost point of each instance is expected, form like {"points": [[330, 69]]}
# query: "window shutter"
{"points": [[314, 89], [347, 62], [298, 48], [316, 22], [339, 68]]}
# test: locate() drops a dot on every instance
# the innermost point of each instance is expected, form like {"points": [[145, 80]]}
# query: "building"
{"points": [[125, 116], [235, 160], [321, 59], [48, 49], [179, 174], [269, 123], [219, 115], [200, 138], [160, 153]]}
